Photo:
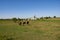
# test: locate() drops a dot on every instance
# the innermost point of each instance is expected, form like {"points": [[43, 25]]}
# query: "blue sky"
{"points": [[29, 8]]}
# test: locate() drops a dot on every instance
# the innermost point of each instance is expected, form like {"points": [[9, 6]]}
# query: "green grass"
{"points": [[36, 30]]}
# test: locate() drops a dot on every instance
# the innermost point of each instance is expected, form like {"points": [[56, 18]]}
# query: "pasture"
{"points": [[37, 30]]}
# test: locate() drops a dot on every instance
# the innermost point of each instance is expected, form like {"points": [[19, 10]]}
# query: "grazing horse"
{"points": [[27, 22], [20, 23], [24, 23]]}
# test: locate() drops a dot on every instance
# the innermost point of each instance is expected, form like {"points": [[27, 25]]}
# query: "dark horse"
{"points": [[24, 23], [27, 22]]}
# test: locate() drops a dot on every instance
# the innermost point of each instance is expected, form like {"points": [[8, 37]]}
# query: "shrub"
{"points": [[54, 17], [14, 19]]}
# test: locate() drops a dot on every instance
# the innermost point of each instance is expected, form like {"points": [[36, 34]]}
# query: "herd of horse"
{"points": [[23, 22]]}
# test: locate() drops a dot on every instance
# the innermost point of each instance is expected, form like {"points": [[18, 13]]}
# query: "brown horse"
{"points": [[20, 23], [27, 22], [23, 23]]}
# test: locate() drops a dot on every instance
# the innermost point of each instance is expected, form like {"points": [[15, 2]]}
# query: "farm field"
{"points": [[37, 30]]}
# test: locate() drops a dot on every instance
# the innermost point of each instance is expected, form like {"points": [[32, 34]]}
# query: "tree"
{"points": [[49, 17], [38, 18], [46, 17], [41, 18], [54, 17], [34, 16], [19, 19], [14, 19]]}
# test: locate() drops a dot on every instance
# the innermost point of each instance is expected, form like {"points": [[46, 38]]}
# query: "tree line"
{"points": [[19, 19]]}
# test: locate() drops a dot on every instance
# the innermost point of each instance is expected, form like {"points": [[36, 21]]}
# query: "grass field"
{"points": [[37, 30]]}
